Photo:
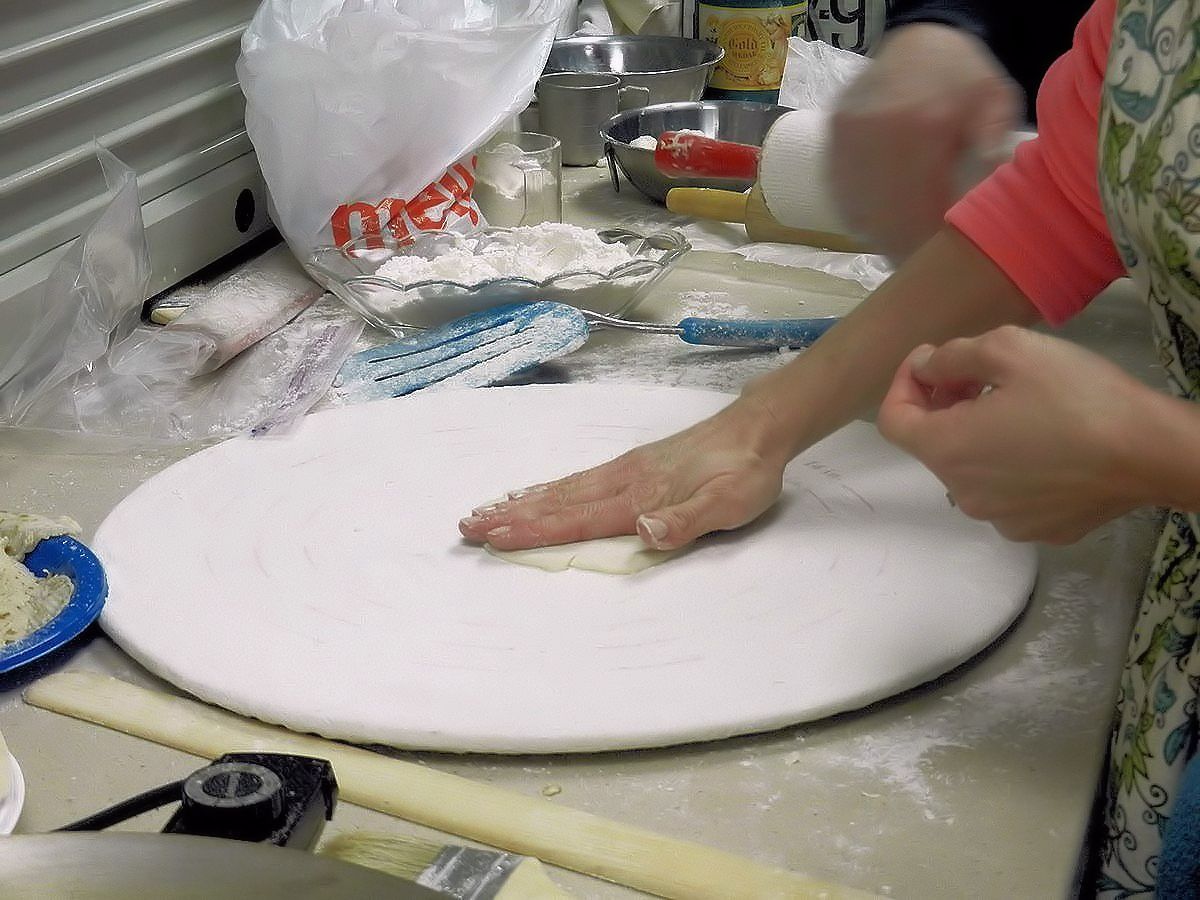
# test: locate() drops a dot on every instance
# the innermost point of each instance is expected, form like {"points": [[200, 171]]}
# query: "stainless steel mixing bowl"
{"points": [[672, 68], [743, 121]]}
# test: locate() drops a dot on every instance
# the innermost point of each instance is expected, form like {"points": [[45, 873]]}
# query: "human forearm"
{"points": [[1160, 454], [948, 289], [723, 472]]}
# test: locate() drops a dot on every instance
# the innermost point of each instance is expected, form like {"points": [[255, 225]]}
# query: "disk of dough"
{"points": [[316, 579], [625, 554]]}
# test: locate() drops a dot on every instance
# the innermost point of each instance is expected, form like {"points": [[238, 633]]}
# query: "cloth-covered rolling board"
{"points": [[317, 580]]}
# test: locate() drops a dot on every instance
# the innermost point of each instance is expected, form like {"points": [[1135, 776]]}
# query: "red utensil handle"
{"points": [[682, 153]]}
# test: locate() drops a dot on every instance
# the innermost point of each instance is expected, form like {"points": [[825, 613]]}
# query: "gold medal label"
{"points": [[747, 46], [755, 43]]}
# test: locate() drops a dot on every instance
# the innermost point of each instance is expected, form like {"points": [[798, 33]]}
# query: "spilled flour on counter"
{"points": [[710, 304], [1002, 713], [535, 252]]}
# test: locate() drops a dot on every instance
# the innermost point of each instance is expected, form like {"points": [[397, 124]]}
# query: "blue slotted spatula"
{"points": [[474, 351], [489, 346]]}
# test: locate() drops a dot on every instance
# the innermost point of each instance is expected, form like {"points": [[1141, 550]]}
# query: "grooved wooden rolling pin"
{"points": [[494, 816]]}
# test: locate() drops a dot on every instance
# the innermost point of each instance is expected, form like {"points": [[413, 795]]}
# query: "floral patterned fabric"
{"points": [[1150, 184]]}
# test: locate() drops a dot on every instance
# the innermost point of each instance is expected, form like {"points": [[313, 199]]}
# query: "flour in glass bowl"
{"points": [[536, 252]]}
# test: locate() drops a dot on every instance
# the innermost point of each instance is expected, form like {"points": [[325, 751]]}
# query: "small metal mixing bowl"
{"points": [[671, 68], [741, 121]]}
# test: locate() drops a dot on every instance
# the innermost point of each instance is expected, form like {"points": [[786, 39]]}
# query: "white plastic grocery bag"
{"points": [[364, 113]]}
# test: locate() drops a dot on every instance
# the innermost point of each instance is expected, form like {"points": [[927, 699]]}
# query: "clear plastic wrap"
{"points": [[87, 364], [92, 298]]}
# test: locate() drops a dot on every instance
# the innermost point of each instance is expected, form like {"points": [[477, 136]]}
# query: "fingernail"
{"points": [[920, 356], [653, 531], [501, 532], [485, 510], [526, 491]]}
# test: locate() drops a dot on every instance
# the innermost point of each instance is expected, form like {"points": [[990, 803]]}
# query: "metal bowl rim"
{"points": [[638, 112], [605, 39]]}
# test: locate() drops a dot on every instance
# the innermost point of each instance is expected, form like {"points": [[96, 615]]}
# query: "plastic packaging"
{"points": [[94, 295], [364, 113], [244, 308], [88, 366], [816, 73], [151, 385]]}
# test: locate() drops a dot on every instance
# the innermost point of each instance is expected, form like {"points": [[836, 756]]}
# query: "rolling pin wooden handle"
{"points": [[708, 203], [751, 210], [531, 826]]}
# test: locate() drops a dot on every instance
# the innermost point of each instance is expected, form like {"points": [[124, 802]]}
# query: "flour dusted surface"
{"points": [[536, 252]]}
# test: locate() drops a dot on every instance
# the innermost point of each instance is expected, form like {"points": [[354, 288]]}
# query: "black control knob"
{"points": [[230, 798]]}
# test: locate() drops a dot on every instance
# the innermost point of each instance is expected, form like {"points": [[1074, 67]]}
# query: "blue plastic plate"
{"points": [[61, 556]]}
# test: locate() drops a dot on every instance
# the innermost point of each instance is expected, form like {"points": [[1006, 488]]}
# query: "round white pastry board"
{"points": [[317, 580], [10, 805]]}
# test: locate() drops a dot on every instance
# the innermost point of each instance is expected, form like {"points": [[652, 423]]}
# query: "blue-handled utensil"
{"points": [[489, 346], [477, 350], [760, 333]]}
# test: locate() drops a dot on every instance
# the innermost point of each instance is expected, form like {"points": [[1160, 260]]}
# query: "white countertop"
{"points": [[979, 784]]}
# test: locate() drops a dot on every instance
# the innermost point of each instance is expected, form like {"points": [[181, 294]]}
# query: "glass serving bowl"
{"points": [[349, 273]]}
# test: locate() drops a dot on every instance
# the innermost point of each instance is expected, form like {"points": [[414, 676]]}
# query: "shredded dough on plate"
{"points": [[27, 602]]}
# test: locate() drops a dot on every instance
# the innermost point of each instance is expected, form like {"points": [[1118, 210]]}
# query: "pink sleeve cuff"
{"points": [[1040, 218]]}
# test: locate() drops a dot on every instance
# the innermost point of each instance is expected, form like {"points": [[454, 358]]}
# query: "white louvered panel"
{"points": [[30, 20], [154, 81]]}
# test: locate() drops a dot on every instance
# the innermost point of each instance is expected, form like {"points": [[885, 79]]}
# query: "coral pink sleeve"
{"points": [[1039, 217]]}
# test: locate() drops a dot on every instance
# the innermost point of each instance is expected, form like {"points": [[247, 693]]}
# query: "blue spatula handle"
{"points": [[754, 332]]}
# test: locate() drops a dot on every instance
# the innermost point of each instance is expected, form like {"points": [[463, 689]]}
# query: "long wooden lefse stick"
{"points": [[494, 816]]}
